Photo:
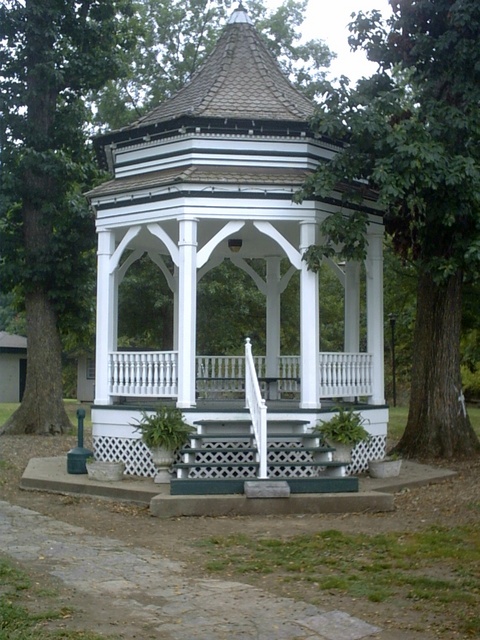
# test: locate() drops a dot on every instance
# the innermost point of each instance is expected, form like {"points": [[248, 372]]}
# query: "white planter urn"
{"points": [[386, 468], [163, 460], [342, 453], [105, 471]]}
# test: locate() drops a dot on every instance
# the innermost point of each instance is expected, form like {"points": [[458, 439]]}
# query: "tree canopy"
{"points": [[51, 54], [412, 134], [60, 62]]}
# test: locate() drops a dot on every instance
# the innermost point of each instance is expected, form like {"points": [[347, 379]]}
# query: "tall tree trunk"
{"points": [[42, 410], [438, 424]]}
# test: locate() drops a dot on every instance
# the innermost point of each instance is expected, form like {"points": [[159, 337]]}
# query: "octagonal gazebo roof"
{"points": [[240, 79]]}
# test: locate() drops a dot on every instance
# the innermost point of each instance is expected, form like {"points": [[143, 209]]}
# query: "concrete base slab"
{"points": [[413, 474], [50, 475], [266, 489], [240, 505]]}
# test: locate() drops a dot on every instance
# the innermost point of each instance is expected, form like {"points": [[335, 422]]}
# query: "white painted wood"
{"points": [[221, 150], [351, 312], [118, 213], [286, 278], [106, 316], [127, 238], [269, 230], [133, 257], [205, 252], [213, 262], [273, 321], [337, 270], [345, 375], [169, 277], [257, 408], [309, 324], [244, 266], [175, 306], [187, 310], [352, 307], [289, 374], [146, 374], [154, 374], [374, 267], [161, 234]]}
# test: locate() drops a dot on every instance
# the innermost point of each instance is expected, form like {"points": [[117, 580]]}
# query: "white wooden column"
{"points": [[374, 266], [352, 307], [175, 308], [309, 325], [187, 311], [273, 319], [106, 316]]}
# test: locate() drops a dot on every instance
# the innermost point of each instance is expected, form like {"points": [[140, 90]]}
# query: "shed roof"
{"points": [[11, 341], [240, 79]]}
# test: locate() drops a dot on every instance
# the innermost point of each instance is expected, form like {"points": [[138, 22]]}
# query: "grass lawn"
{"points": [[71, 406], [435, 570], [29, 611], [398, 420]]}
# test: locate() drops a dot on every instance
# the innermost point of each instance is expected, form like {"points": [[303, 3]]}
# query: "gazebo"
{"points": [[206, 176]]}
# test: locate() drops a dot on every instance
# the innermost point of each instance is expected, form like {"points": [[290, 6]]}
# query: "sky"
{"points": [[327, 20]]}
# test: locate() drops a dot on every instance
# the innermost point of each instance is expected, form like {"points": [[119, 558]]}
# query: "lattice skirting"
{"points": [[373, 449], [138, 460], [134, 452]]}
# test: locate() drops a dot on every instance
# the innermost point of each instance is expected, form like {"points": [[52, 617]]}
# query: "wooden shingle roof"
{"points": [[202, 175], [240, 80]]}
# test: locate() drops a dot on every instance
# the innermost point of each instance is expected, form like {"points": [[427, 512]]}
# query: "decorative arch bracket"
{"points": [[206, 251], [269, 230], [117, 254], [157, 231]]}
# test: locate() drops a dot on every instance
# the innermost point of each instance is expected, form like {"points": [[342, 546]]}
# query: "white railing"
{"points": [[151, 373], [258, 409], [154, 374], [345, 374], [224, 373], [289, 374]]}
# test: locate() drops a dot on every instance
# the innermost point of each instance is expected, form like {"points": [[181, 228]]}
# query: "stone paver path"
{"points": [[152, 593]]}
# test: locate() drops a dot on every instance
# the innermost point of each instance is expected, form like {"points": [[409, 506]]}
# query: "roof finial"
{"points": [[240, 15]]}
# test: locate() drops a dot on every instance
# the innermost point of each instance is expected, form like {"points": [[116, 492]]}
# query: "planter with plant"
{"points": [[388, 467], [164, 432], [342, 433]]}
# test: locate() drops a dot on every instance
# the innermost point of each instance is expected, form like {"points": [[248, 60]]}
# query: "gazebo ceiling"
{"points": [[254, 244]]}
